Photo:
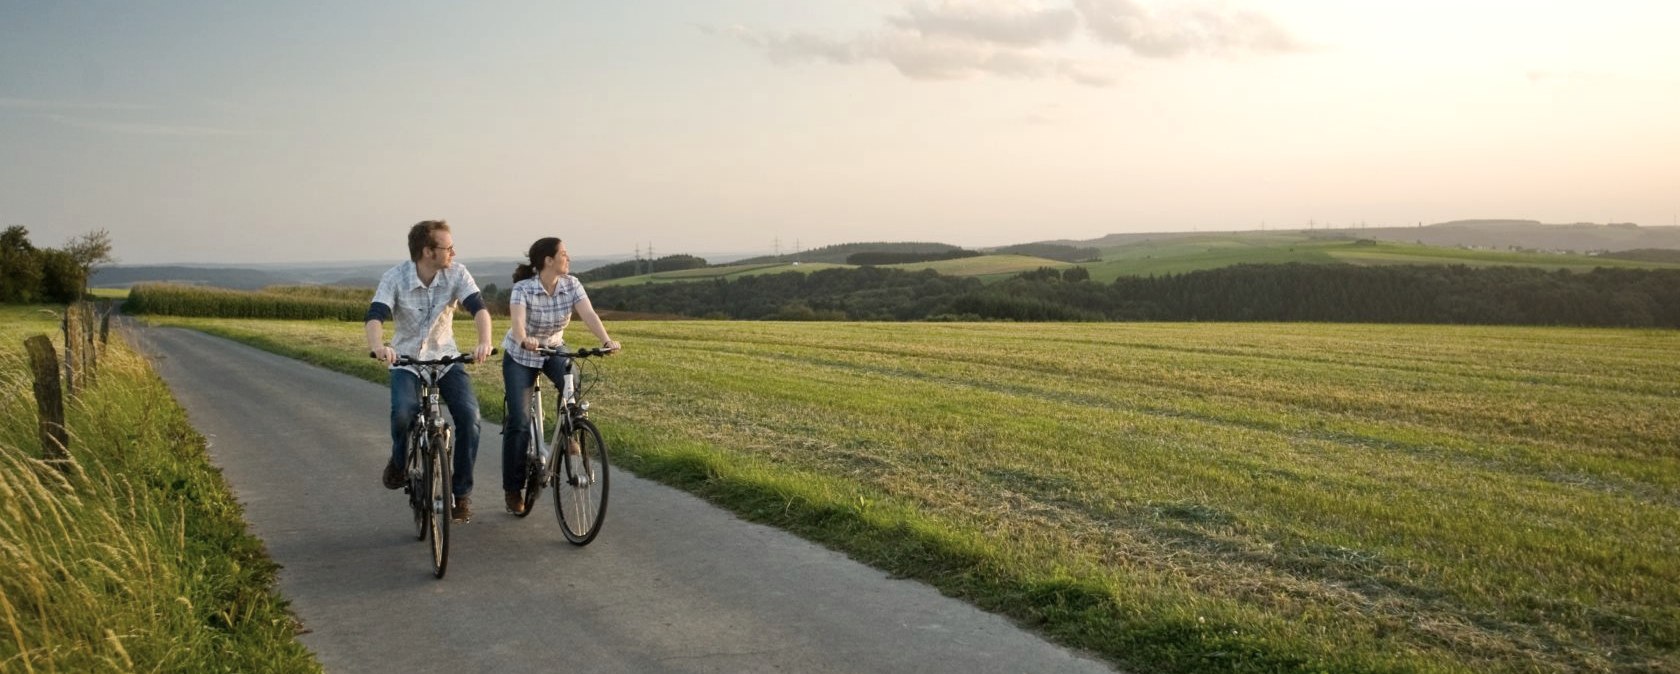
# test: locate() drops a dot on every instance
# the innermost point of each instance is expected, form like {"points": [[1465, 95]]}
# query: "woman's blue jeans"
{"points": [[458, 395], [517, 381]]}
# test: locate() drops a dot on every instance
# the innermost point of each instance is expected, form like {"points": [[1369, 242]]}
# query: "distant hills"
{"points": [[486, 271], [1495, 242], [1491, 234]]}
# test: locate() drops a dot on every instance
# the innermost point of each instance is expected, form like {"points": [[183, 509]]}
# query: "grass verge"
{"points": [[133, 555]]}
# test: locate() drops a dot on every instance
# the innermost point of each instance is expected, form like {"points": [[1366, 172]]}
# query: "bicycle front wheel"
{"points": [[414, 470], [441, 499], [581, 478]]}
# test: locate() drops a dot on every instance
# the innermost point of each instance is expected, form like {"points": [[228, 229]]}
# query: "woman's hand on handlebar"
{"points": [[384, 353], [482, 353], [611, 346]]}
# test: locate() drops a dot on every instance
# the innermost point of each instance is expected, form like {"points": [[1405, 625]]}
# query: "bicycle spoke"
{"points": [[580, 484]]}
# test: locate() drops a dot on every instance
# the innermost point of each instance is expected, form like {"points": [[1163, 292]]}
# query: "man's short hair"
{"points": [[420, 237]]}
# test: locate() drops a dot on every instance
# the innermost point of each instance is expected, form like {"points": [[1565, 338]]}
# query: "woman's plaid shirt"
{"points": [[546, 315]]}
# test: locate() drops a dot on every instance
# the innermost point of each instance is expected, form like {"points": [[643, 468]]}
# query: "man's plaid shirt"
{"points": [[425, 315]]}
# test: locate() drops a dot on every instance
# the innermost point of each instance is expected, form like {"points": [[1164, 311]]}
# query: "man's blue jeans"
{"points": [[517, 381], [463, 408]]}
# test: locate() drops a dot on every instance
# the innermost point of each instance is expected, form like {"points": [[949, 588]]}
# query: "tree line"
{"points": [[58, 275], [1249, 292], [875, 257], [639, 267]]}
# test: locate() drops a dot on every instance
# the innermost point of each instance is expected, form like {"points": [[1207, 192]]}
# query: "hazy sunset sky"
{"points": [[222, 132]]}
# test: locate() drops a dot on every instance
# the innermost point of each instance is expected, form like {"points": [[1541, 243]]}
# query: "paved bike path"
{"points": [[673, 584]]}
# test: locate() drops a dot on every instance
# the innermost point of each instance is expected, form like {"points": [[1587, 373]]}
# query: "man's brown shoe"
{"points": [[516, 502], [393, 477], [463, 509]]}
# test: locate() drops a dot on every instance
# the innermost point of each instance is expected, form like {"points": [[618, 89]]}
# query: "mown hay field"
{"points": [[1192, 497]]}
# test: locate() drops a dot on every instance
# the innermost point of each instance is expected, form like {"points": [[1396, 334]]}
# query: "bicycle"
{"points": [[430, 459], [581, 480]]}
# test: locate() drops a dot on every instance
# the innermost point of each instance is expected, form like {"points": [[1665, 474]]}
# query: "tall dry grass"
{"points": [[131, 555]]}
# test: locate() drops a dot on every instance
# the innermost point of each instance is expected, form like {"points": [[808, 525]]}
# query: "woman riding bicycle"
{"points": [[540, 304]]}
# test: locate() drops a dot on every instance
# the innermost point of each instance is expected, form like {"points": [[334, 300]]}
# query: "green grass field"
{"points": [[1212, 497], [987, 267], [1212, 251], [134, 556]]}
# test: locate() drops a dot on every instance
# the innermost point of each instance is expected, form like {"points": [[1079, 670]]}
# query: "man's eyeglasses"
{"points": [[450, 249]]}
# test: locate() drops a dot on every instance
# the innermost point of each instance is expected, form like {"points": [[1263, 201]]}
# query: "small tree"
{"points": [[20, 266], [89, 252]]}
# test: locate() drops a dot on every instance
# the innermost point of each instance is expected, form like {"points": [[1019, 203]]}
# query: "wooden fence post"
{"points": [[69, 324], [55, 439], [90, 349]]}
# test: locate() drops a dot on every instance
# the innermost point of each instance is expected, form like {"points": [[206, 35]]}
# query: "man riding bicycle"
{"points": [[421, 296]]}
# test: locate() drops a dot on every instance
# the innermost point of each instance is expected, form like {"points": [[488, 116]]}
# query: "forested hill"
{"points": [[221, 277], [1247, 292]]}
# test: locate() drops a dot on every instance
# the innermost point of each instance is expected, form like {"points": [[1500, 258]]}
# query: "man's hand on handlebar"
{"points": [[611, 346], [482, 353], [384, 353]]}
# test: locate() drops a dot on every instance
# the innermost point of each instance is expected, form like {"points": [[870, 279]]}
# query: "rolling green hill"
{"points": [[1211, 251], [1178, 254], [838, 253], [986, 267]]}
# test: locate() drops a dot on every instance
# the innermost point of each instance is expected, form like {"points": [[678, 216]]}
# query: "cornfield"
{"points": [[285, 302]]}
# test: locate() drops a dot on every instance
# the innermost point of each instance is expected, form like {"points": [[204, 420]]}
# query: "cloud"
{"points": [[42, 104], [1185, 30], [943, 58], [145, 129], [72, 113], [999, 22], [796, 47], [1022, 39]]}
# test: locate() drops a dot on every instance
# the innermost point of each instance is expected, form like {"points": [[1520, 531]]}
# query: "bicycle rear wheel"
{"points": [[441, 499], [533, 463], [580, 482]]}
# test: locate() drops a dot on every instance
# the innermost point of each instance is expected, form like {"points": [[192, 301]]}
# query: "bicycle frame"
{"points": [[568, 411], [572, 458], [431, 454], [430, 419]]}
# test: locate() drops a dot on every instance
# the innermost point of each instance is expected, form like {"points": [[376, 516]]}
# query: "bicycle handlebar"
{"points": [[580, 353], [446, 360]]}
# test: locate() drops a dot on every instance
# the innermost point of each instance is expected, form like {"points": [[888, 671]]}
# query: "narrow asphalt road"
{"points": [[673, 584]]}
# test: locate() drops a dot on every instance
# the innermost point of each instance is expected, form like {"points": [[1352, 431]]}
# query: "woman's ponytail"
{"points": [[543, 249]]}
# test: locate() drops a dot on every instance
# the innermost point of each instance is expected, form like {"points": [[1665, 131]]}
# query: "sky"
{"points": [[306, 131]]}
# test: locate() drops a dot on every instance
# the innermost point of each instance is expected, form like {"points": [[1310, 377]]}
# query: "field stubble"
{"points": [[1196, 497]]}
